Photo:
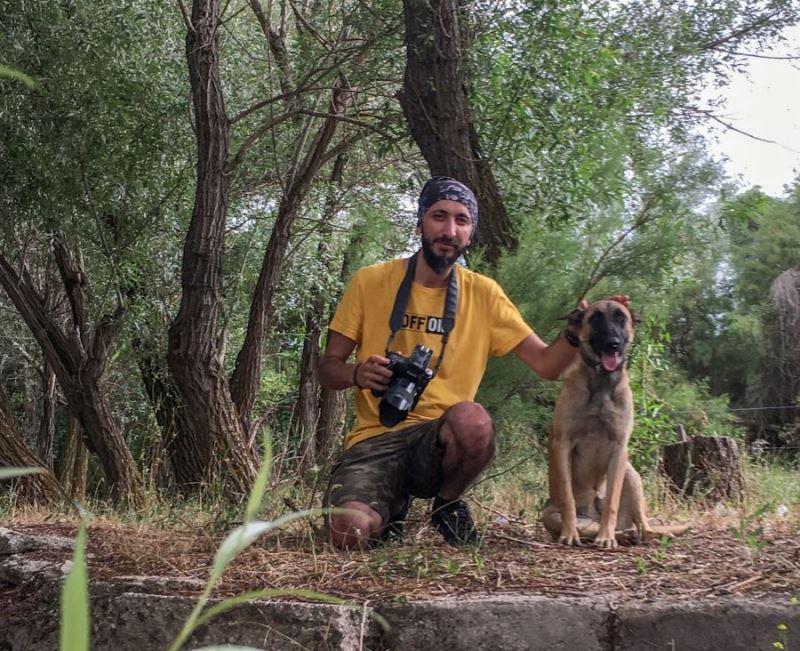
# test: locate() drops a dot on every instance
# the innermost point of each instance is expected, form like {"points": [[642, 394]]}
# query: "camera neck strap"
{"points": [[401, 302]]}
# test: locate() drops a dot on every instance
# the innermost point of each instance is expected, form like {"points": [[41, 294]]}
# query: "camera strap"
{"points": [[401, 302]]}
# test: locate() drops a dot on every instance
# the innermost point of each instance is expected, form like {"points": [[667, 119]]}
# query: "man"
{"points": [[446, 439]]}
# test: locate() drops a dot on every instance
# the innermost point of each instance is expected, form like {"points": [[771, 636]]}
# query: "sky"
{"points": [[764, 102]]}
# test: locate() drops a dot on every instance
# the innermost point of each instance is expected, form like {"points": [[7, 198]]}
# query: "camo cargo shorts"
{"points": [[382, 471]]}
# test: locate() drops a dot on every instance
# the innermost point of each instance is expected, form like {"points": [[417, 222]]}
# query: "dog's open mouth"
{"points": [[611, 361]]}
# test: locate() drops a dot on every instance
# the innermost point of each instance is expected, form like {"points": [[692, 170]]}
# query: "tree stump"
{"points": [[708, 467]]}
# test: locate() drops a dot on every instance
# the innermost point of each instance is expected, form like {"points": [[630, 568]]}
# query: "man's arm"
{"points": [[548, 361], [551, 361], [334, 371]]}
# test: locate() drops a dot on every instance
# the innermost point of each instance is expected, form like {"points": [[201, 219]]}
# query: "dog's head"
{"points": [[605, 333]]}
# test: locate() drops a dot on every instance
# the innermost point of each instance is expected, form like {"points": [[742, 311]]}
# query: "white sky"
{"points": [[765, 103]]}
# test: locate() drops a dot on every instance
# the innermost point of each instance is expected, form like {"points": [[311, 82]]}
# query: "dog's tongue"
{"points": [[611, 361]]}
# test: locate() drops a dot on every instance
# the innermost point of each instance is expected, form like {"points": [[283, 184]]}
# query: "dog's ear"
{"points": [[635, 319]]}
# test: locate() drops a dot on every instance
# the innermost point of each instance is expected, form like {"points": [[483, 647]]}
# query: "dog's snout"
{"points": [[614, 344]]}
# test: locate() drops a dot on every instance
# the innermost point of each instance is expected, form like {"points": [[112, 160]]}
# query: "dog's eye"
{"points": [[619, 317], [596, 319]]}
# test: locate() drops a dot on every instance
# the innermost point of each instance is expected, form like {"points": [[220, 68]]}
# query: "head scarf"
{"points": [[443, 187]]}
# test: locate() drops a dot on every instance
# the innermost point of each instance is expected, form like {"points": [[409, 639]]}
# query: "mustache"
{"points": [[443, 239]]}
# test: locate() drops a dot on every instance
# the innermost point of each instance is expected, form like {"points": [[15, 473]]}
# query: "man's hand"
{"points": [[574, 320], [373, 373]]}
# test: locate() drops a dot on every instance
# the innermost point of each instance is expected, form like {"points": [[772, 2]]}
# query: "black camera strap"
{"points": [[401, 302]]}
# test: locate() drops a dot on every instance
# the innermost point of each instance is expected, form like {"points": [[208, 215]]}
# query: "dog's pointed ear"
{"points": [[635, 318]]}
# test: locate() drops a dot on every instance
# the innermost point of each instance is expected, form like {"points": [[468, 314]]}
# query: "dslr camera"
{"points": [[410, 376]]}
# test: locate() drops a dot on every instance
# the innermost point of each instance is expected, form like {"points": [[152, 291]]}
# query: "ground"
{"points": [[513, 558]]}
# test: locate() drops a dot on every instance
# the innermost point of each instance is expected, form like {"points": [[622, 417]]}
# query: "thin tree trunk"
{"points": [[174, 424], [74, 462], [435, 100], [247, 372], [44, 438], [332, 410], [41, 487], [308, 400], [196, 349]]}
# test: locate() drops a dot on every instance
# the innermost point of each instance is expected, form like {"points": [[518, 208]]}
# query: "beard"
{"points": [[440, 263]]}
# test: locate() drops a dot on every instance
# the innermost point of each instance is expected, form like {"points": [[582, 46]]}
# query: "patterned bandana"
{"points": [[444, 187]]}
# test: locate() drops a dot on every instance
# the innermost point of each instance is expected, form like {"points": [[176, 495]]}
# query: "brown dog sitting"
{"points": [[594, 490]]}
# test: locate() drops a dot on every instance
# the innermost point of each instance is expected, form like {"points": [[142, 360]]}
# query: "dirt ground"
{"points": [[513, 558]]}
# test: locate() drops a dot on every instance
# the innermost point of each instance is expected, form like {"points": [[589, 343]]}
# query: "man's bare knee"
{"points": [[470, 427], [355, 527]]}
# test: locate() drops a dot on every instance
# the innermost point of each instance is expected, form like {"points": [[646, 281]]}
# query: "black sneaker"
{"points": [[394, 530], [454, 521]]}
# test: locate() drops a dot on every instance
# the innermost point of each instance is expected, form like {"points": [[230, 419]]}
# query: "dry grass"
{"points": [[515, 556]]}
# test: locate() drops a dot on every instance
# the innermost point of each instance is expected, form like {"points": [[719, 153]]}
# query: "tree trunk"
{"points": [[435, 100], [308, 401], [79, 358], [247, 373], [332, 410], [44, 438], [74, 462], [41, 487], [708, 467], [196, 349], [178, 466]]}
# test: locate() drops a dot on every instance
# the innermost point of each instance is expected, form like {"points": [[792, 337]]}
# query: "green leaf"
{"points": [[11, 73], [75, 600], [11, 473], [260, 485], [243, 536], [297, 593]]}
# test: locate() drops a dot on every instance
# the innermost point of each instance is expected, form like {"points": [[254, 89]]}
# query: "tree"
{"points": [[436, 103]]}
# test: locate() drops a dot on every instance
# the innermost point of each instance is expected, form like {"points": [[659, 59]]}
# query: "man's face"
{"points": [[446, 230]]}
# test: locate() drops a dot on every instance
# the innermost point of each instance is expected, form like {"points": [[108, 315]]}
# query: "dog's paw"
{"points": [[606, 542], [570, 538]]}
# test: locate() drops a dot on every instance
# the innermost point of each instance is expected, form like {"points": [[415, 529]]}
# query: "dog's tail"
{"points": [[670, 529]]}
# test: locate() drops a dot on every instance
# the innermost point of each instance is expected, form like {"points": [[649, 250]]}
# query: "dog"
{"points": [[595, 493]]}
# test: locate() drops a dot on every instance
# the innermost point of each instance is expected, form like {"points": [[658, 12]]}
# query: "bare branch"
{"points": [[760, 56], [186, 20], [254, 137], [743, 31], [728, 125]]}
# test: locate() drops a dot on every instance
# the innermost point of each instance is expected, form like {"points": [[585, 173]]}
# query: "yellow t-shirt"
{"points": [[487, 324]]}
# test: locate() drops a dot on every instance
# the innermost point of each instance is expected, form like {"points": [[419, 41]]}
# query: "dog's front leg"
{"points": [[606, 538], [560, 478]]}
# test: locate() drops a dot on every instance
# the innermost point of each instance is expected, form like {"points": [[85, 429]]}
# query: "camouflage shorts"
{"points": [[382, 471]]}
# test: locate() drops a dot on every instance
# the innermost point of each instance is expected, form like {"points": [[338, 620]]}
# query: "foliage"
{"points": [[587, 112], [750, 530]]}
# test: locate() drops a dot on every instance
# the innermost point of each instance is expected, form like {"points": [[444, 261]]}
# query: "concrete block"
{"points": [[725, 623], [491, 623]]}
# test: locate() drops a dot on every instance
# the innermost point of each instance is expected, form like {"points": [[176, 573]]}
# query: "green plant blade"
{"points": [[75, 600], [260, 484], [11, 73], [270, 593], [10, 473], [243, 536]]}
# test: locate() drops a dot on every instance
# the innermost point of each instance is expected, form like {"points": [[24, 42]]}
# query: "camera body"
{"points": [[410, 376]]}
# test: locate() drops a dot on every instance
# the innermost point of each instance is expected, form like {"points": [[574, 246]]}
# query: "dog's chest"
{"points": [[597, 411]]}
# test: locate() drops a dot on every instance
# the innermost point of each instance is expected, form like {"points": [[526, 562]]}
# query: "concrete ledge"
{"points": [[724, 623], [510, 623], [140, 622]]}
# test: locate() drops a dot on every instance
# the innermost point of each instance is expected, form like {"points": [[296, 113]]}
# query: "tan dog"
{"points": [[594, 490]]}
